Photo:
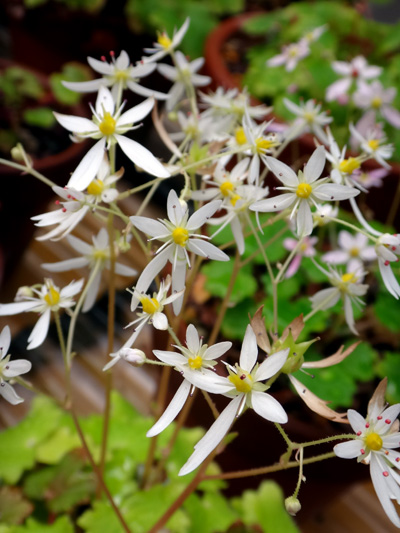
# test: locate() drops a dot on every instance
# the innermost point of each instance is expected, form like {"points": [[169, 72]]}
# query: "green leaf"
{"points": [[360, 364], [265, 507], [39, 116], [60, 525], [59, 443], [237, 319], [70, 72], [218, 276], [14, 508], [387, 311], [390, 367], [211, 512]]}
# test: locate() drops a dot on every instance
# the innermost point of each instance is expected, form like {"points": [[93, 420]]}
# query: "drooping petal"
{"points": [[377, 467], [349, 449], [178, 284], [213, 437], [173, 409], [142, 157], [160, 321], [39, 332], [16, 368], [145, 91], [91, 295], [90, 86], [304, 219], [148, 274], [267, 407], [5, 339], [68, 264], [18, 307], [88, 167], [9, 394]]}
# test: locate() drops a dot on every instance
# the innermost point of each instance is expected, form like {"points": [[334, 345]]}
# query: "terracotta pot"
{"points": [[23, 196], [216, 67]]}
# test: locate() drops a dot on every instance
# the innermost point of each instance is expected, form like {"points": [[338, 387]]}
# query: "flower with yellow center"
{"points": [[96, 187], [107, 125], [180, 236], [376, 102], [303, 190], [374, 444], [52, 298], [165, 44], [240, 136], [348, 166], [10, 369]]}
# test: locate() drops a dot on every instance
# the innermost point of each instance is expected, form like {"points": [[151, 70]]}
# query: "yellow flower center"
{"points": [[234, 199], [164, 40], [303, 190], [310, 117], [242, 381], [96, 187], [121, 75], [180, 236], [52, 297], [373, 144], [349, 278], [349, 165], [376, 102], [374, 441], [107, 125], [263, 144], [226, 188], [100, 254], [354, 252], [240, 136], [195, 362], [149, 305], [303, 247], [293, 52]]}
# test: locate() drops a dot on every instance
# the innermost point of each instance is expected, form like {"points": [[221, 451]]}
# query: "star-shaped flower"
{"points": [[165, 45], [10, 369]]}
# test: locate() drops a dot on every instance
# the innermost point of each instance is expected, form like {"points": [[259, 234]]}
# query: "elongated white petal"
{"points": [[149, 273], [68, 264], [216, 350], [208, 380], [192, 339], [5, 339], [124, 270], [100, 66], [201, 216], [172, 410], [348, 313], [213, 436], [237, 231], [9, 394], [389, 416], [377, 467], [76, 124], [142, 157], [104, 102], [271, 365], [160, 321], [137, 113], [90, 86], [315, 165], [357, 421], [267, 407], [91, 295], [178, 284], [206, 249], [326, 298], [330, 192], [277, 203], [149, 226], [72, 288], [304, 219], [171, 358], [349, 449], [88, 167], [16, 368], [18, 307], [284, 173], [39, 332], [145, 91], [249, 351], [391, 441]]}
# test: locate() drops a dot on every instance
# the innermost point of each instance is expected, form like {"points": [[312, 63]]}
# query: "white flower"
{"points": [[245, 386], [102, 188], [290, 55], [10, 369], [357, 69], [304, 189], [324, 213], [306, 249], [377, 99], [347, 287], [373, 144], [178, 234], [195, 363], [310, 118], [45, 299], [109, 126], [387, 249], [118, 75], [353, 252], [165, 45], [377, 436], [131, 355], [342, 167], [73, 210], [93, 256], [183, 75]]}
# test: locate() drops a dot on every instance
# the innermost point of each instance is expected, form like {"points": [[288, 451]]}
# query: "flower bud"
{"points": [[23, 293], [133, 356], [292, 505]]}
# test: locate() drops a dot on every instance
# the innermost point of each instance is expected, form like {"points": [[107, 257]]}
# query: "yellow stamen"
{"points": [[121, 75], [374, 442], [234, 199], [354, 252], [100, 254], [349, 165], [180, 236], [226, 188], [149, 305], [349, 278], [303, 247], [107, 125], [96, 187], [242, 381], [310, 117], [164, 40], [240, 136], [52, 297], [264, 144], [376, 102], [195, 362], [373, 144], [303, 190]]}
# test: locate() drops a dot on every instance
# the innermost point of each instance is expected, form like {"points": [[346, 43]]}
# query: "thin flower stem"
{"points": [[225, 302], [211, 404], [300, 478], [28, 170], [65, 358], [288, 260], [351, 226], [174, 336], [277, 467], [98, 473], [139, 188], [289, 443], [270, 241], [148, 197], [325, 440]]}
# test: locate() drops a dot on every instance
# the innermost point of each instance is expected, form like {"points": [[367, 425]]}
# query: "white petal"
{"points": [[124, 270], [16, 368], [213, 437], [73, 288], [304, 219], [88, 167], [206, 249], [277, 203], [91, 295], [271, 365], [17, 307], [84, 86], [178, 284], [145, 91], [192, 339], [5, 339], [349, 449], [170, 358], [337, 88], [9, 394], [101, 66], [267, 407], [149, 273], [315, 165], [76, 124], [330, 192], [330, 296], [391, 413], [142, 157], [284, 173], [381, 488], [208, 380], [201, 216], [68, 264], [237, 231], [174, 208], [172, 411], [104, 102], [249, 351], [216, 350], [357, 421], [40, 330], [348, 313], [149, 226], [160, 321], [137, 113]]}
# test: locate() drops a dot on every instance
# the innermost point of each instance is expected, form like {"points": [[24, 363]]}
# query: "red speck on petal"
{"points": [[397, 459], [362, 451], [387, 421], [103, 58], [64, 210], [386, 452], [385, 473], [112, 53], [367, 425], [393, 248], [358, 433], [57, 202], [386, 263], [379, 417]]}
